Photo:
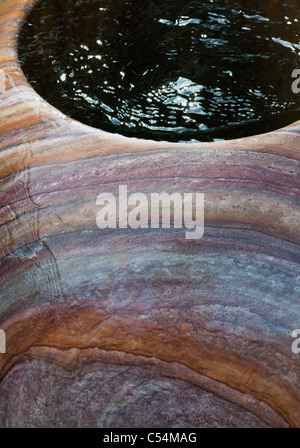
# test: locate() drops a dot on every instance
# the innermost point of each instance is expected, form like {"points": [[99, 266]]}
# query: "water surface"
{"points": [[165, 69]]}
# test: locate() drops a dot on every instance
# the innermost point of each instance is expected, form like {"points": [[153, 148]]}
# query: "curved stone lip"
{"points": [[12, 15]]}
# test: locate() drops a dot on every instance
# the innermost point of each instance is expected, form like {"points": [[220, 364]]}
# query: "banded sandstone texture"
{"points": [[142, 327]]}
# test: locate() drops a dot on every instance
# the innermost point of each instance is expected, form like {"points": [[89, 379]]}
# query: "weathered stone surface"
{"points": [[142, 327]]}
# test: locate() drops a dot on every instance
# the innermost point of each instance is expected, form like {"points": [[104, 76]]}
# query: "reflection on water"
{"points": [[165, 69]]}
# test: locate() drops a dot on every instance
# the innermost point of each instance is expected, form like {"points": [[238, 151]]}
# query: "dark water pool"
{"points": [[166, 69]]}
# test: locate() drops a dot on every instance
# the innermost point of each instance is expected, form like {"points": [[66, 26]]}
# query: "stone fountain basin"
{"points": [[127, 328]]}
